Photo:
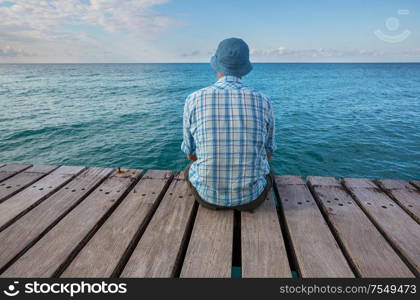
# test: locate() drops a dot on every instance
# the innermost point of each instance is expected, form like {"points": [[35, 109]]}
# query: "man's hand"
{"points": [[269, 155], [192, 157]]}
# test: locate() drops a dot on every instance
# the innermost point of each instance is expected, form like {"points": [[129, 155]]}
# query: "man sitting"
{"points": [[228, 134]]}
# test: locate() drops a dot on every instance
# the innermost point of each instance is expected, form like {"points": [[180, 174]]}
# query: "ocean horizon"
{"points": [[332, 119], [203, 62]]}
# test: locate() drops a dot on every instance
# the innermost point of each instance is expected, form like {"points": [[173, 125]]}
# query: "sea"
{"points": [[332, 119]]}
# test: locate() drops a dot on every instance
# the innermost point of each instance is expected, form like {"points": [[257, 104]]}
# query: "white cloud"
{"points": [[9, 51], [321, 52], [193, 53], [288, 54], [43, 26]]}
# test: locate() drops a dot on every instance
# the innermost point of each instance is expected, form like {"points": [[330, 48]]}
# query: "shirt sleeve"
{"points": [[270, 144], [188, 144]]}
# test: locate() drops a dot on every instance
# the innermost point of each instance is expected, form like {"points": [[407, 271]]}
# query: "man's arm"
{"points": [[188, 144], [270, 144]]}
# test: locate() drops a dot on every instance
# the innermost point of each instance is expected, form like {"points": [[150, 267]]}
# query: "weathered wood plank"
{"points": [[317, 252], [159, 249], [262, 245], [21, 234], [209, 253], [9, 170], [14, 168], [34, 194], [289, 180], [406, 195], [56, 247], [323, 181], [366, 248], [390, 184], [21, 180], [416, 183], [399, 228], [102, 254], [41, 169]]}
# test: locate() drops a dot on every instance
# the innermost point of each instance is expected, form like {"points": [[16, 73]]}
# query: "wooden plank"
{"points": [[314, 247], [416, 183], [27, 230], [41, 169], [399, 228], [262, 245], [209, 253], [406, 195], [323, 181], [289, 180], [365, 247], [60, 244], [21, 180], [158, 251], [9, 170], [13, 168], [103, 253], [391, 184], [34, 194]]}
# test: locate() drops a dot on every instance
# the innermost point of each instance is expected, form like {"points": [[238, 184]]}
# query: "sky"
{"points": [[96, 31]]}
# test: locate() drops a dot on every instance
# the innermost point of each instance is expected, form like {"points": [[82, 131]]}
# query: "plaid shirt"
{"points": [[230, 128]]}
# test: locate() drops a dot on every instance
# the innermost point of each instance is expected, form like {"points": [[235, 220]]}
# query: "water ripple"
{"points": [[332, 119]]}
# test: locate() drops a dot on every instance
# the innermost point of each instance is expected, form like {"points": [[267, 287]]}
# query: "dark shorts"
{"points": [[244, 207]]}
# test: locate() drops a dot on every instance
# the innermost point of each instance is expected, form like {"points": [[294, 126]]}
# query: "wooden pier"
{"points": [[75, 221]]}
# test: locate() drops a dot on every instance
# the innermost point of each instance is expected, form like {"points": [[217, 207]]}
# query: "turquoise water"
{"points": [[332, 119]]}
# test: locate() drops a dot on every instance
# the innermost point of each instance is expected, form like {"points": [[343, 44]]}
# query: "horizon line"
{"points": [[260, 62]]}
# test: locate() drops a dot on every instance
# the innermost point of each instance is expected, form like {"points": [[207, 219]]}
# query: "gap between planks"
{"points": [[52, 253], [365, 247], [398, 227], [33, 195], [314, 247], [24, 233], [22, 180], [108, 250]]}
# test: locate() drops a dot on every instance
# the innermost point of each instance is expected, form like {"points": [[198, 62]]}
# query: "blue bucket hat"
{"points": [[232, 58]]}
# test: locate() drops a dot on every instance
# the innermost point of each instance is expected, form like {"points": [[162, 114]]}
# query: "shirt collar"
{"points": [[229, 78]]}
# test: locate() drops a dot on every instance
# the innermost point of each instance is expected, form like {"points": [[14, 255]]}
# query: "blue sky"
{"points": [[189, 31]]}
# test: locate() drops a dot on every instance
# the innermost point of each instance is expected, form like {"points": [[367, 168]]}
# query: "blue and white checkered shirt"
{"points": [[230, 128]]}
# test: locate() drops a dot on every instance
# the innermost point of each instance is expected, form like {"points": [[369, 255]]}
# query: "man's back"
{"points": [[230, 129]]}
